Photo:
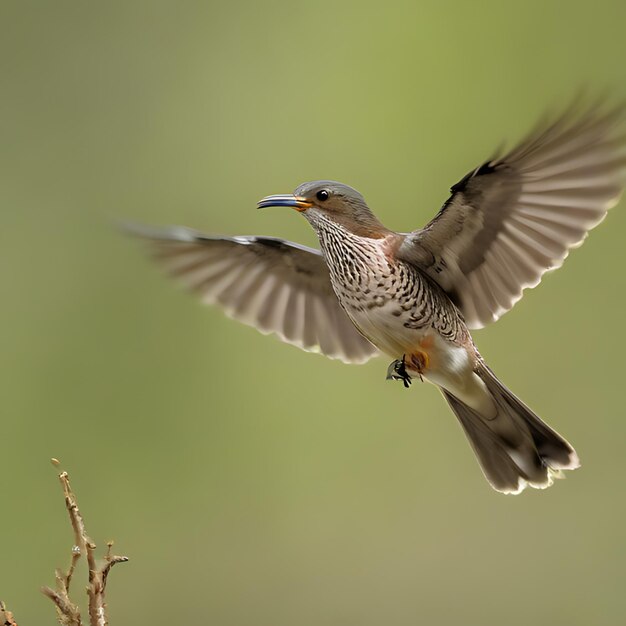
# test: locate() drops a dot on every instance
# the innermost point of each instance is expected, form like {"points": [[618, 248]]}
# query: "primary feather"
{"points": [[276, 286], [512, 219]]}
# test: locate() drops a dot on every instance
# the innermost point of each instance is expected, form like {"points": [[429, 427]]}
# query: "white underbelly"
{"points": [[449, 365], [387, 331]]}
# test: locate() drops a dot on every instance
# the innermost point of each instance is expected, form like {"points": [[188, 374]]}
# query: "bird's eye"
{"points": [[322, 195]]}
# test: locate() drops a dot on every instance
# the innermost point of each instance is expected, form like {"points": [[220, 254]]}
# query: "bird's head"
{"points": [[327, 200]]}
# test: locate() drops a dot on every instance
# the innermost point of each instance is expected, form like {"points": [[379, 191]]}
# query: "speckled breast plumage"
{"points": [[391, 303]]}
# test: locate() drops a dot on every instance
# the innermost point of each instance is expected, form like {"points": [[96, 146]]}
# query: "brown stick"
{"points": [[6, 617], [68, 613]]}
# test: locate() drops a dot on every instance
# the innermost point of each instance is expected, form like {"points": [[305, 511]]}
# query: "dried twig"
{"points": [[6, 617], [68, 613]]}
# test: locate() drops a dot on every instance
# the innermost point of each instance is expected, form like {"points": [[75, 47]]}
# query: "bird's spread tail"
{"points": [[515, 448]]}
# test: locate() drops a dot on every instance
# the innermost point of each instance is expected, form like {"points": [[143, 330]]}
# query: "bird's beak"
{"points": [[286, 199]]}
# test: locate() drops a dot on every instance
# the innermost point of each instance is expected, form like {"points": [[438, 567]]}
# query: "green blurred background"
{"points": [[249, 482]]}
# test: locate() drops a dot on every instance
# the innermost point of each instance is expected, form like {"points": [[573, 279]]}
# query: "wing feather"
{"points": [[516, 217], [276, 286]]}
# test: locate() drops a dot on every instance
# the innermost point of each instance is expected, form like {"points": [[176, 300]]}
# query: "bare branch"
{"points": [[67, 612], [110, 561], [6, 617]]}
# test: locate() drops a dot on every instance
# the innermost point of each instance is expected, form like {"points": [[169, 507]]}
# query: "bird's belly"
{"points": [[447, 363], [387, 330]]}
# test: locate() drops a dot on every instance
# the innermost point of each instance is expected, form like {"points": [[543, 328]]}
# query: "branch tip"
{"points": [[68, 613], [6, 617]]}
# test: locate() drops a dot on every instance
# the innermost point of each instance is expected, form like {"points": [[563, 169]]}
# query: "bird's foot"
{"points": [[397, 371], [419, 361]]}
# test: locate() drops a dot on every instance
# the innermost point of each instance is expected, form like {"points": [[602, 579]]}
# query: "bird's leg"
{"points": [[419, 361], [397, 371]]}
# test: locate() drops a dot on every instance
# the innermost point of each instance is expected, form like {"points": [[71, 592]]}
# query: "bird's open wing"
{"points": [[515, 217], [274, 285]]}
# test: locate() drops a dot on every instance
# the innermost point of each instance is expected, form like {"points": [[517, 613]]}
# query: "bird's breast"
{"points": [[387, 302], [391, 302]]}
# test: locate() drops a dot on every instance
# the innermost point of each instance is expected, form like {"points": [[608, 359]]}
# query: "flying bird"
{"points": [[415, 296]]}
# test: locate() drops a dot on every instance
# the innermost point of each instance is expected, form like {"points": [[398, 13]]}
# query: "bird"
{"points": [[416, 296]]}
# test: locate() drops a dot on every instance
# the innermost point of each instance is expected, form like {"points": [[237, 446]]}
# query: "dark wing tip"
{"points": [[487, 167]]}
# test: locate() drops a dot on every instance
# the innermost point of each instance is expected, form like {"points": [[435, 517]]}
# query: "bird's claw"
{"points": [[397, 371]]}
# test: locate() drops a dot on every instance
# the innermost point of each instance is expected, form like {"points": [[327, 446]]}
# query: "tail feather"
{"points": [[515, 448]]}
